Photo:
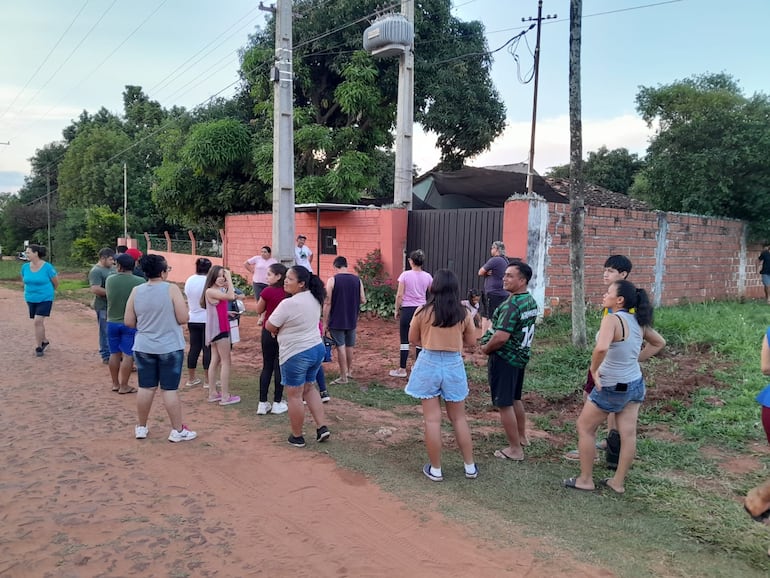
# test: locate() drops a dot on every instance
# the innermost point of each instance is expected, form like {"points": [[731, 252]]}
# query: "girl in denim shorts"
{"points": [[441, 327], [624, 339]]}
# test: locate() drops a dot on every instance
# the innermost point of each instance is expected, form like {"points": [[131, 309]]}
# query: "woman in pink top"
{"points": [[412, 289], [257, 266], [217, 294]]}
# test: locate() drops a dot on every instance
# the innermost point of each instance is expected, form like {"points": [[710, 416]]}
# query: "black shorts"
{"points": [[505, 381]]}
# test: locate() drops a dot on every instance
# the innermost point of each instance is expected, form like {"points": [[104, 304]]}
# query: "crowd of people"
{"points": [[140, 318]]}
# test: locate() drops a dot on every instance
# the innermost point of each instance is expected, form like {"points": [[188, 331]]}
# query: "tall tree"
{"points": [[711, 151], [576, 193], [612, 169]]}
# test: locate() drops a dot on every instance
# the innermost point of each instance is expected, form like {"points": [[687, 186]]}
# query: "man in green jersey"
{"points": [[508, 344]]}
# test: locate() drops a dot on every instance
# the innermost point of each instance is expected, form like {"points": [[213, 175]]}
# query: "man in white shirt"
{"points": [[303, 256]]}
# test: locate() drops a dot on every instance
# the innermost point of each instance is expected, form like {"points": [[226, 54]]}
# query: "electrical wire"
{"points": [[50, 52]]}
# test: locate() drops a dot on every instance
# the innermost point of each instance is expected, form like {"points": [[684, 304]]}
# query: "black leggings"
{"points": [[197, 339], [271, 368], [405, 318]]}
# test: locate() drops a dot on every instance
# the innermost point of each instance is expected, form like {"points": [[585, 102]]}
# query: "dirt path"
{"points": [[79, 496]]}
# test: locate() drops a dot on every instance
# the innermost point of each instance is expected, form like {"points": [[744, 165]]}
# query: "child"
{"points": [[217, 294], [472, 305], [441, 327]]}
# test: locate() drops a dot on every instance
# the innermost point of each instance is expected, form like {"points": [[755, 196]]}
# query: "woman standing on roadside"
{"points": [[193, 289], [301, 349], [217, 294], [40, 283], [268, 300], [619, 386], [441, 328], [412, 287]]}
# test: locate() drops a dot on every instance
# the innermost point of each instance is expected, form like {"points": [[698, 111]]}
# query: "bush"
{"points": [[380, 293]]}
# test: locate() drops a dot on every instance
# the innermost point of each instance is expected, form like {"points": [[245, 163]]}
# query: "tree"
{"points": [[612, 169], [576, 185], [711, 151]]}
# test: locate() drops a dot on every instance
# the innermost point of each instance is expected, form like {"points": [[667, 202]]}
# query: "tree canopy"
{"points": [[711, 150], [612, 169]]}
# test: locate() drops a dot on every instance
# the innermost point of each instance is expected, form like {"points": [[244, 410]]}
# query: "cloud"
{"points": [[551, 142]]}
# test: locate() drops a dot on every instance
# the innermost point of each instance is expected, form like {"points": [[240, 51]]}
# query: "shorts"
{"points": [[159, 368], [493, 302], [766, 280], [343, 337], [438, 373], [505, 381], [43, 309], [120, 338], [302, 367], [221, 336], [613, 401]]}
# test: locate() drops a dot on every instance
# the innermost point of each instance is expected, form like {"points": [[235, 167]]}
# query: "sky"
{"points": [[60, 57]]}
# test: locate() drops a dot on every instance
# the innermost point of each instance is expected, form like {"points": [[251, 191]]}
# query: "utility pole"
{"points": [[48, 211], [539, 20], [283, 134], [125, 203], [402, 189]]}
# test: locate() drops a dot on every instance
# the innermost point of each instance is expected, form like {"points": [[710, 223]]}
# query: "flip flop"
{"points": [[114, 388], [571, 483], [503, 456], [761, 518], [130, 390], [603, 483], [339, 381]]}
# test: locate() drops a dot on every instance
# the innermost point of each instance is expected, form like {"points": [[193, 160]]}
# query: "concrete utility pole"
{"points": [[48, 212], [283, 135], [531, 164], [402, 188]]}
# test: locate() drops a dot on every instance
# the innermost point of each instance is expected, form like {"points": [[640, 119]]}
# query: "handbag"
{"points": [[328, 344]]}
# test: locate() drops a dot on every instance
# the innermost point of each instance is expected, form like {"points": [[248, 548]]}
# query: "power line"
{"points": [[50, 52]]}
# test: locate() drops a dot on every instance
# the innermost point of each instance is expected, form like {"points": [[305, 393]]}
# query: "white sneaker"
{"points": [[263, 408], [183, 435], [279, 407], [141, 432]]}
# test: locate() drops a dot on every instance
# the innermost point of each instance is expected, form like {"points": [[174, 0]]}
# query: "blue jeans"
{"points": [[104, 344], [164, 369]]}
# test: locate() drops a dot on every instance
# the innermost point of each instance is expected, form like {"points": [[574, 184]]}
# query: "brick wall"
{"points": [[358, 232]]}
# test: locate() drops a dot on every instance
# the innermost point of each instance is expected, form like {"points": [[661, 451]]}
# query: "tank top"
{"points": [[621, 364], [157, 330]]}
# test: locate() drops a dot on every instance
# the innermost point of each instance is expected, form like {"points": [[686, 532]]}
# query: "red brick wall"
{"points": [[358, 232]]}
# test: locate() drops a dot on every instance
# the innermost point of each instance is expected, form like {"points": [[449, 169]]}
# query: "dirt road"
{"points": [[79, 496]]}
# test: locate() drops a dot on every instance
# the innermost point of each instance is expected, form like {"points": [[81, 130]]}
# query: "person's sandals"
{"points": [[503, 456], [604, 484], [571, 483]]}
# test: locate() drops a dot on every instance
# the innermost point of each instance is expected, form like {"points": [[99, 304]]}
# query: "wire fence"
{"points": [[206, 248]]}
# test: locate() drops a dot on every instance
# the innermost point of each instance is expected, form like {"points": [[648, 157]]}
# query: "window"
{"points": [[329, 241]]}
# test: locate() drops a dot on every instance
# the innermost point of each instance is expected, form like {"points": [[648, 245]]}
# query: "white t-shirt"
{"points": [[302, 257], [297, 318], [193, 289], [260, 268]]}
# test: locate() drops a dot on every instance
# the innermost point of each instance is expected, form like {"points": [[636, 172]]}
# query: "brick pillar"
{"points": [[393, 223]]}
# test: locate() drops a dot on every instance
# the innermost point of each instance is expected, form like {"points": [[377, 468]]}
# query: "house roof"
{"points": [[597, 196]]}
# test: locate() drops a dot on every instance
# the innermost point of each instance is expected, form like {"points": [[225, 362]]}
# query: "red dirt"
{"points": [[81, 497]]}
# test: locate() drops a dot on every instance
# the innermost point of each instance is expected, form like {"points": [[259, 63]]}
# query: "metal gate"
{"points": [[456, 239]]}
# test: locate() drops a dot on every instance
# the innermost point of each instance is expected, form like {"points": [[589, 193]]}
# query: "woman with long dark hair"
{"points": [[624, 339], [441, 327], [301, 349], [193, 290], [412, 288], [268, 300]]}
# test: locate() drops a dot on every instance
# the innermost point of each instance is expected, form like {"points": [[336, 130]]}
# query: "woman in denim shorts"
{"points": [[441, 327], [619, 386]]}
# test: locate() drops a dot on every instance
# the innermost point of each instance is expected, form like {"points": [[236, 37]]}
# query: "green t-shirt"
{"points": [[517, 316], [97, 276], [119, 288]]}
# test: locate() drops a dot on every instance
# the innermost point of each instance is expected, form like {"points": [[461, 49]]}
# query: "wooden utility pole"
{"points": [[576, 184], [539, 20]]}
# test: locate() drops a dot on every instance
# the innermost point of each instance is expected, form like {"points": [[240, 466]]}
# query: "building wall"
{"points": [[359, 232]]}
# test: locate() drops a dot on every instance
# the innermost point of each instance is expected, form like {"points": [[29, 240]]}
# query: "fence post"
{"points": [[194, 250], [168, 241]]}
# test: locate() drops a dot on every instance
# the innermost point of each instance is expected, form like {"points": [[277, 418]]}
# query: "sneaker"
{"points": [[44, 345], [322, 434], [141, 432], [183, 435], [426, 471], [397, 373], [473, 475], [263, 408], [325, 396], [217, 397], [38, 352], [297, 441], [194, 382], [230, 400], [279, 407]]}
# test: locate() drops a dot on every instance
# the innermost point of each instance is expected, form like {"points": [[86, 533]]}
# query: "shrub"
{"points": [[380, 293]]}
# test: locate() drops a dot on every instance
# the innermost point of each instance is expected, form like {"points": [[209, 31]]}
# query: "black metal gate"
{"points": [[456, 239]]}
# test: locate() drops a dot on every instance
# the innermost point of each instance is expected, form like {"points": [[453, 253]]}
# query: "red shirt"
{"points": [[272, 296]]}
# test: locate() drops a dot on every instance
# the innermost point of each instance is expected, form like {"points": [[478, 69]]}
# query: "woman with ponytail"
{"points": [[624, 339], [300, 349]]}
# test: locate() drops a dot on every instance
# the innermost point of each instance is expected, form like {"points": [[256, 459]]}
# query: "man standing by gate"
{"points": [[344, 297]]}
